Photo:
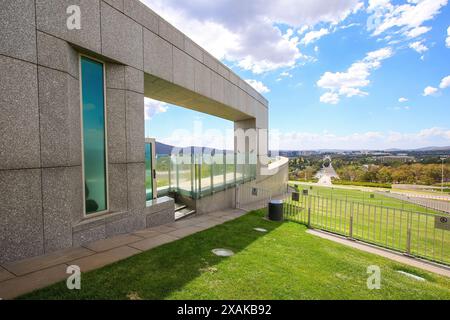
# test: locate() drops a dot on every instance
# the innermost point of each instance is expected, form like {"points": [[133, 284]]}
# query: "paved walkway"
{"points": [[27, 275], [417, 263]]}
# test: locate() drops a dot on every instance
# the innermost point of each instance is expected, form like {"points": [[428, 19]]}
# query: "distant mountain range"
{"points": [[162, 148]]}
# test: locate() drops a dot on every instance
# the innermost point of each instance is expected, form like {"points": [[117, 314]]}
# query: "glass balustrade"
{"points": [[200, 175]]}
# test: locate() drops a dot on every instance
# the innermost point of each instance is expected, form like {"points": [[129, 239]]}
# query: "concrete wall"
{"points": [[41, 192]]}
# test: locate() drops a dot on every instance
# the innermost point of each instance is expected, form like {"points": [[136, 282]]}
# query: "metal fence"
{"points": [[427, 202], [417, 234]]}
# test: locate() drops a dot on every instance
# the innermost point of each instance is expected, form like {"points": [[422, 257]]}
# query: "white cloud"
{"points": [[405, 18], [418, 46], [428, 91], [445, 82], [330, 98], [350, 82], [313, 36], [246, 32], [402, 99], [414, 33], [447, 41], [153, 107], [361, 141], [258, 86]]}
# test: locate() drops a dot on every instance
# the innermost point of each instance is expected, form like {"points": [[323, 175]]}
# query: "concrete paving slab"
{"points": [[26, 266], [111, 243], [148, 233], [104, 258], [150, 243], [20, 285], [186, 231], [5, 275]]}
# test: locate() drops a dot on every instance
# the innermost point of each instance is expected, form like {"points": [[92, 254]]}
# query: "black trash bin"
{"points": [[276, 210]]}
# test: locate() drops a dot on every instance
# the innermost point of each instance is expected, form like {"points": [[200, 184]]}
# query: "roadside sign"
{"points": [[441, 222], [295, 196], [305, 192]]}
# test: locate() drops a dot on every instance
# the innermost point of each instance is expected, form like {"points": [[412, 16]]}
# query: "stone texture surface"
{"points": [[136, 185], [89, 235], [5, 275], [126, 225], [142, 14], [59, 104], [19, 123], [21, 227], [33, 281], [116, 123], [118, 4], [211, 62], [18, 29], [115, 76], [103, 258], [26, 266], [134, 79], [153, 242], [118, 187], [217, 87], [202, 79], [183, 69], [135, 127], [184, 232], [158, 59], [171, 34], [52, 18], [160, 218], [193, 49], [121, 37], [57, 54], [111, 243], [62, 199]]}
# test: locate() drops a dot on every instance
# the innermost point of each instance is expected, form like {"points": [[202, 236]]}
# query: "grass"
{"points": [[364, 197], [380, 220], [285, 263], [362, 184]]}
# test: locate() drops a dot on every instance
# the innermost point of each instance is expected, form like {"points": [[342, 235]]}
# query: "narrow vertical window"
{"points": [[148, 171], [94, 142]]}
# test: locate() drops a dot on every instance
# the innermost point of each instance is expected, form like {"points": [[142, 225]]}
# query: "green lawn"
{"points": [[285, 263], [364, 197]]}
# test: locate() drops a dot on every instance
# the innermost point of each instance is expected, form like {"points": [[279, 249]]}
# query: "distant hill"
{"points": [[433, 149], [162, 148]]}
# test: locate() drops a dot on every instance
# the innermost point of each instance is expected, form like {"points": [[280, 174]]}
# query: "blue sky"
{"points": [[346, 74]]}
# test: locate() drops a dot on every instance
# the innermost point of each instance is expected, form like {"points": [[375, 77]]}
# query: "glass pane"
{"points": [[218, 166], [148, 172], [93, 100], [163, 164], [205, 174], [230, 168]]}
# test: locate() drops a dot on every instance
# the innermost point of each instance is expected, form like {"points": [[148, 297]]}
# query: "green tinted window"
{"points": [[93, 100], [148, 171]]}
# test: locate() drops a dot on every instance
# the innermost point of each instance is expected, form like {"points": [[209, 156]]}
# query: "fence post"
{"points": [[408, 234], [351, 221], [309, 213]]}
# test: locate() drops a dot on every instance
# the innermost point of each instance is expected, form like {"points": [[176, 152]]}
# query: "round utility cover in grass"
{"points": [[260, 229], [223, 252]]}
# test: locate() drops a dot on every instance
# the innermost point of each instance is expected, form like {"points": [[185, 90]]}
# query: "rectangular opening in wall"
{"points": [[94, 140]]}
